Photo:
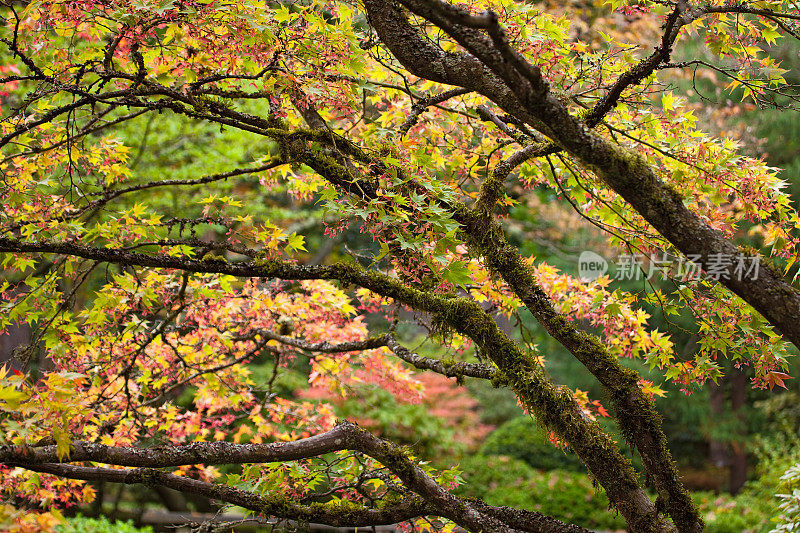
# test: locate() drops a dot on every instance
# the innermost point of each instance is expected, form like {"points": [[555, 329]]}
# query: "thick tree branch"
{"points": [[281, 507], [210, 453], [398, 34], [435, 500], [625, 172]]}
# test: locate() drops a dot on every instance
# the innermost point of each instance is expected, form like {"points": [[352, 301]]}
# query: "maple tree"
{"points": [[420, 122]]}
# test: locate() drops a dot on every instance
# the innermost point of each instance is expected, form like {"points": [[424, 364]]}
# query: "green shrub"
{"points": [[82, 524], [497, 405], [521, 438], [743, 513], [757, 507], [789, 501], [568, 496], [781, 413]]}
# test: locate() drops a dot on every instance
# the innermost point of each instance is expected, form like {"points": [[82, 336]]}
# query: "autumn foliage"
{"points": [[357, 165]]}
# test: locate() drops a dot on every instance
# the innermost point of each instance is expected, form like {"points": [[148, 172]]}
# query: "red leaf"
{"points": [[776, 378]]}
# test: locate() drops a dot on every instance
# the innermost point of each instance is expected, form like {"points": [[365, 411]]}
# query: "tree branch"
{"points": [[634, 409], [458, 369], [281, 507], [324, 346], [435, 500], [422, 104]]}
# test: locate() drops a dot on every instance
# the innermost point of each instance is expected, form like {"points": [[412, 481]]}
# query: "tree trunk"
{"points": [[738, 458]]}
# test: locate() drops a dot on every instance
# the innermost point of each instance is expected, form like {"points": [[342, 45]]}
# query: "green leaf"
{"points": [[11, 397], [296, 242], [457, 273], [63, 442]]}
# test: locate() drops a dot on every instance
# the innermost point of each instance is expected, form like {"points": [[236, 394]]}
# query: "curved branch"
{"points": [[422, 104], [435, 500], [458, 369], [634, 75], [324, 346], [210, 453], [745, 9], [28, 125], [281, 507]]}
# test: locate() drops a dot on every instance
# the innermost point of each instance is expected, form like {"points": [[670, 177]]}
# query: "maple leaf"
{"points": [[776, 378]]}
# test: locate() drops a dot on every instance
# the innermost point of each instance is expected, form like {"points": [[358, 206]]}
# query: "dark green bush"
{"points": [[571, 497], [521, 438], [568, 496], [781, 413]]}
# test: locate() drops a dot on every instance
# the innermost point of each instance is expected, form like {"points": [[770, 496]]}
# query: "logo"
{"points": [[591, 266]]}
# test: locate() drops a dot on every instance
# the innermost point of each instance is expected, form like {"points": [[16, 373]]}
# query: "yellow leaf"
{"points": [[668, 101]]}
